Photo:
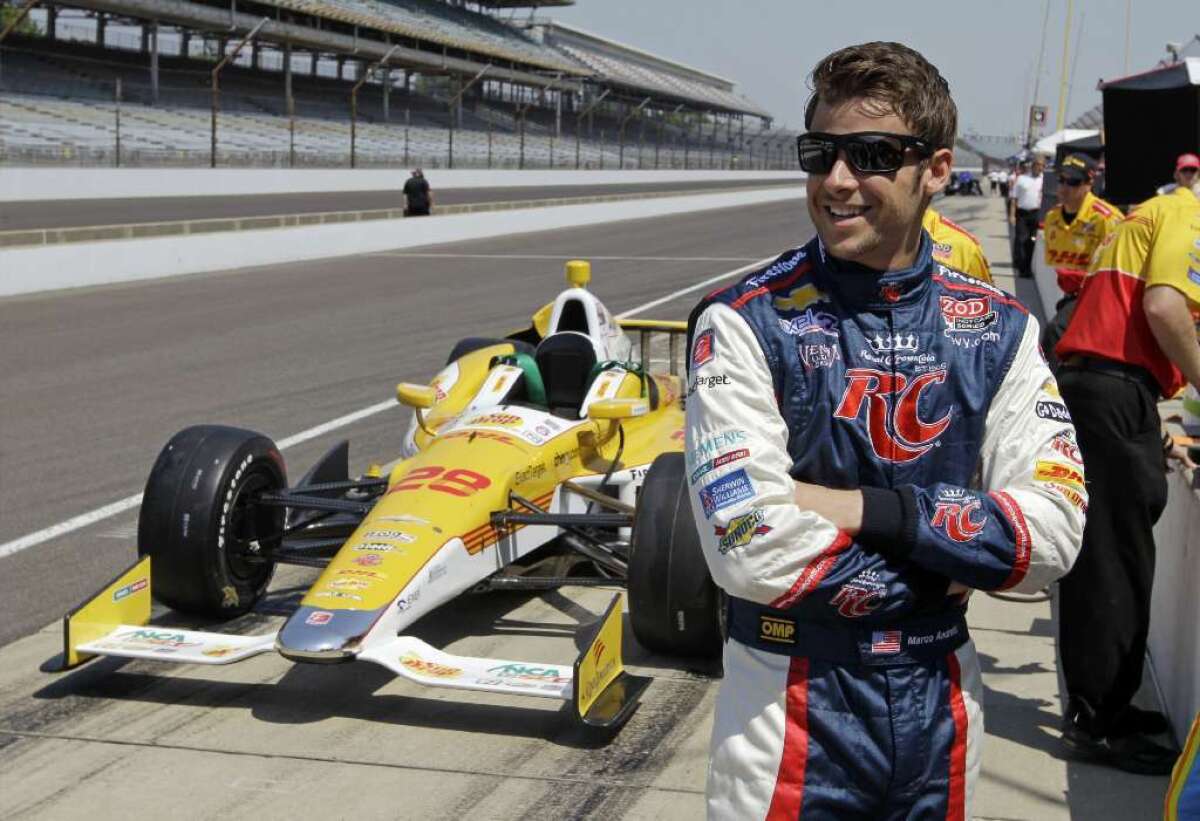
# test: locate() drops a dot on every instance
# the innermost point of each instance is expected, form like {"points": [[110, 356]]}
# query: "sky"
{"points": [[989, 56]]}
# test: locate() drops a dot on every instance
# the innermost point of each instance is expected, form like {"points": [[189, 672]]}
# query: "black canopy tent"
{"points": [[1149, 120], [1092, 146]]}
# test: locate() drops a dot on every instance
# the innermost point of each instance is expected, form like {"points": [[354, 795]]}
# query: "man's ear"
{"points": [[937, 171]]}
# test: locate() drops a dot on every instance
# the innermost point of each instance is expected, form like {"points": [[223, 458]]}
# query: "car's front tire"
{"points": [[200, 525], [674, 606]]}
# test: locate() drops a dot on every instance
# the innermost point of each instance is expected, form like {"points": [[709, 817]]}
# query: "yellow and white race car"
{"points": [[549, 457]]}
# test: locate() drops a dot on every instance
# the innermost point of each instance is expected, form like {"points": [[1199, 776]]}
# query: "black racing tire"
{"points": [[475, 343], [198, 518], [674, 606]]}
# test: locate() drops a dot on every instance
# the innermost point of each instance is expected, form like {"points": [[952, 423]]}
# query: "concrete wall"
{"points": [[18, 184], [80, 264], [1175, 607]]}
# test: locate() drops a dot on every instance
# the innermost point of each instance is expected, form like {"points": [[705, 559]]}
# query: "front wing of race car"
{"points": [[115, 622]]}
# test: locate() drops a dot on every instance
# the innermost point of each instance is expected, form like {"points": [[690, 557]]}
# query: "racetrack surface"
{"points": [[16, 216], [97, 380]]}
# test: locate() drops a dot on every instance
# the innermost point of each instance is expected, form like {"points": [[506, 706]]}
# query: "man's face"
{"points": [[1070, 195], [1186, 176], [1038, 169], [872, 219]]}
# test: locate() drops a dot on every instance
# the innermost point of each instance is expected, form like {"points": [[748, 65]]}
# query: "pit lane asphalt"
{"points": [[97, 380], [17, 216]]}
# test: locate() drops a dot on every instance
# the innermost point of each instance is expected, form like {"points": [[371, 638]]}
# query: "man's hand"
{"points": [[842, 507], [1178, 453]]}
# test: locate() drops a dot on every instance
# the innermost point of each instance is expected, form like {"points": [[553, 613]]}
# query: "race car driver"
{"points": [[956, 247], [869, 435], [1073, 230]]}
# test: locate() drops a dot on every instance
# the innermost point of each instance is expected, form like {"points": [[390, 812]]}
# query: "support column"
{"points": [[52, 22], [316, 57], [101, 25], [185, 43], [154, 62], [287, 72], [255, 50], [341, 62], [387, 92]]}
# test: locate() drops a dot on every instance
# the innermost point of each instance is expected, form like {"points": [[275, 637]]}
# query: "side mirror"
{"points": [[617, 409], [417, 396]]}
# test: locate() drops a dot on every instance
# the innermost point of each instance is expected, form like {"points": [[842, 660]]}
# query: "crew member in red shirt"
{"points": [[1131, 341]]}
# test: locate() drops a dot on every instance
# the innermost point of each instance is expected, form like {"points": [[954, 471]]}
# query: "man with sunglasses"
{"points": [[1073, 230], [870, 434]]}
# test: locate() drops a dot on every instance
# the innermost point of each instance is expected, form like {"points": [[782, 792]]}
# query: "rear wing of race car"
{"points": [[115, 622], [648, 330]]}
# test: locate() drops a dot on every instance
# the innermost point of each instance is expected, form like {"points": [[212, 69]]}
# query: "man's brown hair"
{"points": [[893, 79]]}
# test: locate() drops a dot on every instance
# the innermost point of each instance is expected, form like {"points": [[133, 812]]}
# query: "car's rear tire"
{"points": [[674, 606], [198, 520]]}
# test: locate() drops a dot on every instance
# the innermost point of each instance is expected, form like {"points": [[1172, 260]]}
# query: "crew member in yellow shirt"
{"points": [[956, 247], [1072, 232], [1132, 342]]}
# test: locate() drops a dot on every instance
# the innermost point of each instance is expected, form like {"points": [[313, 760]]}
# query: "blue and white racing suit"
{"points": [[851, 686]]}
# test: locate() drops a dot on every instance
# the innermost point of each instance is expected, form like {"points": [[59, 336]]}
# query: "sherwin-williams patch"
{"points": [[726, 491]]}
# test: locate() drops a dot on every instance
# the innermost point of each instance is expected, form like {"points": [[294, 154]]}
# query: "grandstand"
{"points": [[130, 82]]}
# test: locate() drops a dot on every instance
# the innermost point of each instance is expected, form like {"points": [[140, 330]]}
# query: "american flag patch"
{"points": [[885, 642]]}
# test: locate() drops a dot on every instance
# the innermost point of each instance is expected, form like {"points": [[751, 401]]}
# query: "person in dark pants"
{"points": [[1025, 200], [418, 196], [1130, 341]]}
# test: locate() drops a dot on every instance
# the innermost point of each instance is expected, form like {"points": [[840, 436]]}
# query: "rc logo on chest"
{"points": [[894, 425]]}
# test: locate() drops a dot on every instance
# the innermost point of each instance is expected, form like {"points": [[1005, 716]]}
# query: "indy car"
{"points": [[544, 458]]}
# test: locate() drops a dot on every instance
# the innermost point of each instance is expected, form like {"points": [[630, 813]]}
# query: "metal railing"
{"points": [[46, 129]]}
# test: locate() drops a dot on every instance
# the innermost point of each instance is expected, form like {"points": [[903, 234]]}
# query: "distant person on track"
{"points": [[418, 196], [956, 247], [1024, 203], [1187, 166], [1132, 340], [863, 431], [1074, 229]]}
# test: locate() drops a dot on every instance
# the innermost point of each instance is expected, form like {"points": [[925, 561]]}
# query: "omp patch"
{"points": [[776, 629], [726, 491]]}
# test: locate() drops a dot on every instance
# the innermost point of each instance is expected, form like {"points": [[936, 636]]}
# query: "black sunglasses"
{"points": [[867, 152], [1072, 183]]}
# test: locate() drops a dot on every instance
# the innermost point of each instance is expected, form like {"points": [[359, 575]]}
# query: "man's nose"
{"points": [[841, 177]]}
